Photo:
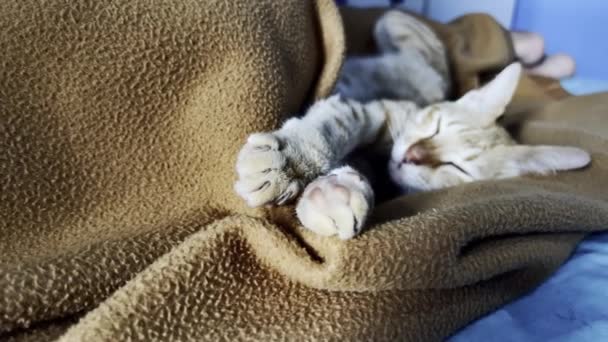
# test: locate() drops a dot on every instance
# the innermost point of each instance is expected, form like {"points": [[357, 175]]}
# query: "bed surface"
{"points": [[571, 306]]}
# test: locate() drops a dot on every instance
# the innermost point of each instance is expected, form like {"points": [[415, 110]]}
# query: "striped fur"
{"points": [[411, 64]]}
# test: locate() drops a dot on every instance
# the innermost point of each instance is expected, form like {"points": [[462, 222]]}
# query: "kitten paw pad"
{"points": [[264, 174], [336, 204]]}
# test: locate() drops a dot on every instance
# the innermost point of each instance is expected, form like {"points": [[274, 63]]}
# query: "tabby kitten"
{"points": [[443, 144]]}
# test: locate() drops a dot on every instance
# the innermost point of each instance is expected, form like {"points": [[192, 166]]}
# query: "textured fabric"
{"points": [[120, 126], [569, 307]]}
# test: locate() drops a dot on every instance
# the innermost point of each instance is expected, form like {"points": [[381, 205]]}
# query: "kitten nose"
{"points": [[416, 154]]}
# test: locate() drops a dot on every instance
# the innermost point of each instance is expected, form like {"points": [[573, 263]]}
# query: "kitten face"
{"points": [[451, 143], [444, 147]]}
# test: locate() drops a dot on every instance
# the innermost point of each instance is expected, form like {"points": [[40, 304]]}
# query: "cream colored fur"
{"points": [[441, 145]]}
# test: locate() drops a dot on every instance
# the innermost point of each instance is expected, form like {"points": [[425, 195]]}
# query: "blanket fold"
{"points": [[120, 122]]}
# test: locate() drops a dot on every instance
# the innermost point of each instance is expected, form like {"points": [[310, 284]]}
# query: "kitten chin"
{"points": [[402, 187], [374, 167]]}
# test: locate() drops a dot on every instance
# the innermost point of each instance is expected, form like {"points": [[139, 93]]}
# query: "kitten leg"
{"points": [[396, 75], [336, 204], [274, 167], [397, 31], [420, 48]]}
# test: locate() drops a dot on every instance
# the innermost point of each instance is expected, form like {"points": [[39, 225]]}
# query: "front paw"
{"points": [[264, 172], [336, 204]]}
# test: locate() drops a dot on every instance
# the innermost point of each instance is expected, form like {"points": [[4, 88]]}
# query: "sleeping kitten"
{"points": [[440, 145], [445, 144]]}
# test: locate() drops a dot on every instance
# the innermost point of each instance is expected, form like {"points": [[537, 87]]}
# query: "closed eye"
{"points": [[437, 130], [456, 166]]}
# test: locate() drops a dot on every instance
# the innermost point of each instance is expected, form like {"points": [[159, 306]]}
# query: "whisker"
{"points": [[457, 167]]}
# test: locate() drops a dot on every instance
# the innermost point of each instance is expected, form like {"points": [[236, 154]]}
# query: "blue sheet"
{"points": [[571, 306], [580, 85]]}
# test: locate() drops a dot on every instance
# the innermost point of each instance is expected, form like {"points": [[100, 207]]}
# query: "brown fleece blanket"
{"points": [[120, 121]]}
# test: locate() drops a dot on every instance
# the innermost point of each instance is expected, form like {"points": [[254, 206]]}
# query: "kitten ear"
{"points": [[490, 100], [544, 159]]}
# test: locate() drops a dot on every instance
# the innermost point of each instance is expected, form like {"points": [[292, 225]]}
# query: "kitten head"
{"points": [[451, 143]]}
